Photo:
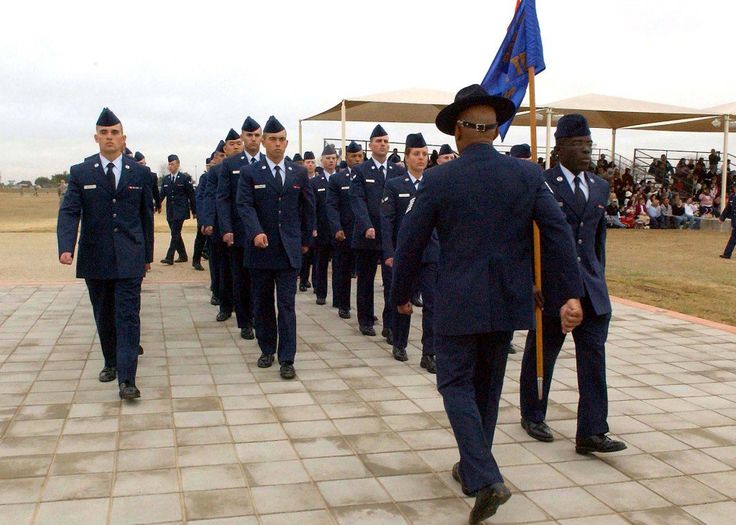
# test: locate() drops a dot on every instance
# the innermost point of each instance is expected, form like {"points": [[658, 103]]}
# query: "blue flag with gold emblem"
{"points": [[508, 75]]}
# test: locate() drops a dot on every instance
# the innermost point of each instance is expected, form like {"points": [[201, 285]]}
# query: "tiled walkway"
{"points": [[357, 438]]}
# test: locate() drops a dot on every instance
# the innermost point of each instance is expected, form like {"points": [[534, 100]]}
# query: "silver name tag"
{"points": [[370, 180], [90, 186], [321, 189], [236, 172], [259, 186], [404, 194]]}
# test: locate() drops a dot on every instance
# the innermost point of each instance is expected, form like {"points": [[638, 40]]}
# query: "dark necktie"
{"points": [[416, 184], [277, 176], [382, 170], [111, 176], [579, 196], [253, 160]]}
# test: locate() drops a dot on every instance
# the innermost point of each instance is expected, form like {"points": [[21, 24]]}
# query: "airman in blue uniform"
{"points": [[397, 194], [231, 224], [482, 206], [276, 204], [323, 249], [310, 163], [111, 197], [582, 197], [141, 159], [366, 193], [341, 219], [178, 191], [729, 212]]}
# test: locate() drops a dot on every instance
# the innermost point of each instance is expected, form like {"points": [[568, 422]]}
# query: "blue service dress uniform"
{"points": [[341, 218], [231, 222], [588, 227], [178, 191], [200, 239], [729, 212], [156, 193], [323, 241], [482, 206], [285, 213], [397, 194], [366, 193], [208, 217], [115, 244]]}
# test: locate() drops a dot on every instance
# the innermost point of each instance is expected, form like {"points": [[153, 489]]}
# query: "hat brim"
{"points": [[447, 118]]}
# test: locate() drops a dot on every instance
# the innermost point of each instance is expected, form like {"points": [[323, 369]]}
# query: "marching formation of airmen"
{"points": [[458, 235]]}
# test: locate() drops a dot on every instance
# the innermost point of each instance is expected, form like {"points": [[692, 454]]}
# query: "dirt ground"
{"points": [[675, 269]]}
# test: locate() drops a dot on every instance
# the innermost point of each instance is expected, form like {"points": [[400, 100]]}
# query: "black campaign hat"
{"points": [[107, 118], [232, 135], [139, 156], [473, 95], [250, 125], [220, 147], [172, 158], [308, 155], [521, 151], [378, 131], [273, 125], [572, 125], [415, 140], [354, 147], [445, 149], [329, 149]]}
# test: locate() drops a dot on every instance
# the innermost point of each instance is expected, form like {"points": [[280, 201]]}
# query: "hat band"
{"points": [[482, 128]]}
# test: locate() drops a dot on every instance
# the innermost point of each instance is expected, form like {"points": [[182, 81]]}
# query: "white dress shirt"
{"points": [[571, 181], [117, 167]]}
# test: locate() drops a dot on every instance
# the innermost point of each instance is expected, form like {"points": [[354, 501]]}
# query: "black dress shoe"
{"points": [[167, 261], [456, 477], [344, 314], [724, 256], [399, 354], [247, 333], [511, 349], [198, 266], [265, 361], [375, 318], [487, 502], [321, 301], [223, 316], [307, 284], [214, 300], [429, 364], [416, 301], [140, 350], [600, 443], [302, 288], [205, 256], [539, 431], [386, 332], [107, 374], [129, 391], [181, 260], [287, 371], [367, 330]]}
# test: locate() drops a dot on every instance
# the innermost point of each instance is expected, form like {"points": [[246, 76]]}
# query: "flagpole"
{"points": [[537, 242]]}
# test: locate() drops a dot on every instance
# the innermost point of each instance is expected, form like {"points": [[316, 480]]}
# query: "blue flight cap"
{"points": [[107, 118], [354, 147], [127, 151], [329, 149], [250, 125], [297, 158], [343, 165], [445, 149], [308, 155], [415, 140], [208, 160], [378, 131], [273, 125], [172, 158], [220, 147], [139, 156], [572, 125], [521, 151], [232, 135]]}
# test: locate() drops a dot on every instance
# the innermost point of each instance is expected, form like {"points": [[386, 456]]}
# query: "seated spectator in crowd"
{"points": [[690, 214], [641, 219], [666, 209], [602, 162], [705, 197], [613, 215], [627, 177], [679, 218], [713, 159], [654, 211]]}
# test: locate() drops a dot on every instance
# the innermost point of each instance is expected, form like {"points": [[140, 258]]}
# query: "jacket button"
{"points": [[114, 201], [114, 215], [115, 230], [581, 223], [580, 241], [578, 259]]}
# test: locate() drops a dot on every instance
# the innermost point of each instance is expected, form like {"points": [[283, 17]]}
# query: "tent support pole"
{"points": [[343, 114], [724, 168], [613, 147], [547, 147], [300, 137]]}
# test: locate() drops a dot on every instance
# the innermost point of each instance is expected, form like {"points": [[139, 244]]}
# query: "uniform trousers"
{"points": [[366, 262], [275, 333], [342, 270], [177, 243], [322, 256], [306, 266], [116, 305], [730, 244], [426, 281], [470, 372], [240, 280], [590, 356], [199, 242]]}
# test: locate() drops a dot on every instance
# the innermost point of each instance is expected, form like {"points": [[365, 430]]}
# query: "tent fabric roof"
{"points": [[422, 106], [408, 105], [701, 125]]}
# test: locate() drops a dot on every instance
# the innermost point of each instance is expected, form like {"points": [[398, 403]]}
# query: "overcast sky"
{"points": [[179, 75]]}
